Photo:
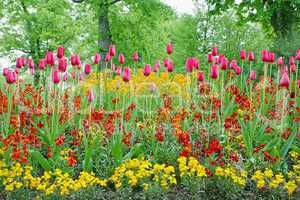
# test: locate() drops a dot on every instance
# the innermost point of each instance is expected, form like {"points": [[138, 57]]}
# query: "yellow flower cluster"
{"points": [[190, 167], [142, 171], [237, 176]]}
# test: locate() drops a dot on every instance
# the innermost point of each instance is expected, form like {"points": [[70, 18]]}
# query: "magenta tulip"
{"points": [[5, 71], [135, 56], [196, 63], [11, 77], [118, 71], [292, 60], [237, 70], [280, 61], [50, 58], [97, 58], [77, 60], [243, 54], [210, 58], [251, 56], [126, 74], [265, 56], [60, 52], [252, 75], [233, 64], [30, 63], [19, 63], [285, 80], [169, 48], [90, 96], [170, 67], [55, 76], [214, 51], [297, 57], [200, 76], [87, 69], [147, 70], [112, 50], [189, 65], [42, 64], [293, 68], [214, 72], [73, 59], [156, 66], [107, 57], [224, 64], [62, 64], [121, 59], [271, 57]]}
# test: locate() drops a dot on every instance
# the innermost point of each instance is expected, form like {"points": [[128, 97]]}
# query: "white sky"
{"points": [[181, 6]]}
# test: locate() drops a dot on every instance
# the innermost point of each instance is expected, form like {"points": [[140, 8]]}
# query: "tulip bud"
{"points": [[73, 59], [87, 69], [200, 76], [170, 67], [126, 74], [112, 50], [60, 52], [233, 64], [166, 63], [293, 68], [11, 77], [265, 56], [156, 66], [196, 63], [214, 71], [169, 48], [214, 51], [62, 64], [237, 70], [32, 71], [5, 71], [121, 59], [210, 58], [135, 56], [42, 64], [118, 71], [77, 60], [19, 63], [252, 75], [224, 64], [80, 77], [97, 58], [298, 54], [292, 60], [189, 65], [50, 58], [147, 70], [55, 76], [66, 76], [113, 67], [284, 81], [298, 83], [30, 63], [280, 61], [251, 56], [107, 57], [91, 96], [243, 54]]}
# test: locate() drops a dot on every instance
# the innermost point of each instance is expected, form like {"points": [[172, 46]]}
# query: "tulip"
{"points": [[169, 48], [170, 67], [166, 63], [126, 74], [113, 67], [135, 56], [298, 83], [265, 56], [62, 64], [156, 66], [200, 76], [66, 76], [5, 71], [112, 50], [237, 70], [271, 57], [233, 64], [80, 77], [147, 70], [280, 61], [90, 96], [251, 56], [210, 58], [77, 60], [118, 71], [214, 51], [293, 68], [196, 63], [121, 59], [189, 65], [224, 64], [60, 52], [97, 58], [107, 57], [42, 64], [285, 80], [19, 63], [284, 69], [243, 54], [297, 54], [87, 69], [30, 63], [11, 77], [79, 66], [17, 70], [73, 59], [55, 76], [32, 71], [252, 75], [292, 60], [214, 71], [50, 58], [73, 75]]}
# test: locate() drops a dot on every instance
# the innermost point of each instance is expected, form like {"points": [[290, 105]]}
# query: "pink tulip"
{"points": [[297, 54], [66, 76], [214, 71], [252, 75], [251, 56], [189, 65], [113, 67], [42, 64], [118, 71], [80, 77], [214, 51], [11, 77], [90, 96], [50, 58], [196, 63], [224, 64], [87, 69], [126, 74], [166, 63], [77, 60], [292, 60], [243, 54], [62, 64], [237, 70], [156, 66], [5, 71], [30, 63], [60, 52], [135, 56], [19, 63], [210, 58], [79, 66], [233, 64], [170, 67], [271, 57], [298, 83], [55, 76], [265, 56], [73, 75], [280, 61], [219, 59], [32, 71], [121, 59], [107, 57], [200, 76], [284, 69], [112, 50], [169, 48], [293, 68], [97, 58], [285, 80], [73, 59], [147, 70]]}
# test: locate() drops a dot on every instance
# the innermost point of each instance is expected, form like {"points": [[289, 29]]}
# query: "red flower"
{"points": [[60, 140]]}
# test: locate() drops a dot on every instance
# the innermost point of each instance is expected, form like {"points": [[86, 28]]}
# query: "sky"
{"points": [[181, 6]]}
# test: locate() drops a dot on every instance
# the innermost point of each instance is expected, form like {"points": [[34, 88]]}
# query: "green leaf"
{"points": [[37, 156]]}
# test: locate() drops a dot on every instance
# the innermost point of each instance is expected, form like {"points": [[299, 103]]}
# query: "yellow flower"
{"points": [[290, 186]]}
